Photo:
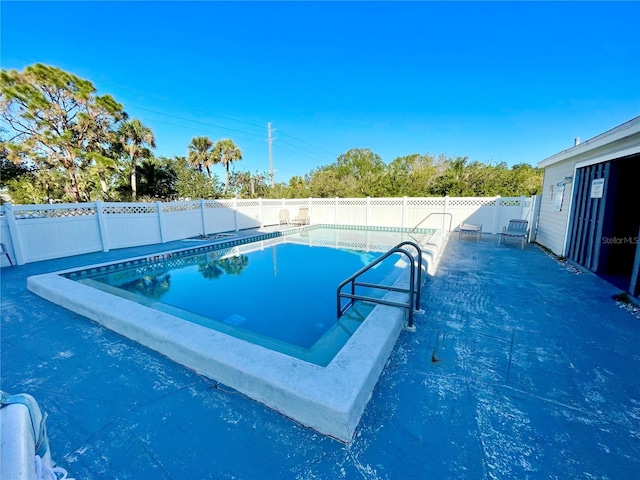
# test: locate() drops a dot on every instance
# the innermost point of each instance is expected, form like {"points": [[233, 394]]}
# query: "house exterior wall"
{"points": [[618, 142], [552, 225]]}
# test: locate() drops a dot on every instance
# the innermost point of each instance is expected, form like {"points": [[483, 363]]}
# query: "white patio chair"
{"points": [[302, 218], [284, 216], [470, 229], [518, 229]]}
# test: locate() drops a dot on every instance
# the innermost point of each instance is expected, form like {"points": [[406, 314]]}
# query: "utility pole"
{"points": [[270, 153]]}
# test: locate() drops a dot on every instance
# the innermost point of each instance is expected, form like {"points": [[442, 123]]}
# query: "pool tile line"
{"points": [[218, 246]]}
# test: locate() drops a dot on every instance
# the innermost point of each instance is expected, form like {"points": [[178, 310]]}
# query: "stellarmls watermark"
{"points": [[620, 240]]}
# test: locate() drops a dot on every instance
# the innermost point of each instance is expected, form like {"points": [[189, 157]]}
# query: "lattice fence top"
{"points": [[248, 203], [297, 203], [218, 204], [386, 202], [273, 203], [425, 202], [360, 202], [180, 207], [23, 214], [471, 202], [130, 209], [510, 202], [323, 202]]}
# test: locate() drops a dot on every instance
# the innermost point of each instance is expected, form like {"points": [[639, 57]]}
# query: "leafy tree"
{"points": [[136, 139], [55, 118], [361, 170], [452, 181], [225, 152], [324, 183], [10, 170], [248, 185], [24, 190], [37, 187], [192, 184], [297, 188], [526, 179], [280, 190], [200, 153], [357, 173], [410, 176]]}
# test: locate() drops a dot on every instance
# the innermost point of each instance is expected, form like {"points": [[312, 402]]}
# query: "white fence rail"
{"points": [[33, 233]]}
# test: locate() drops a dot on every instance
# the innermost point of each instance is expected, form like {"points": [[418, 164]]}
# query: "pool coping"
{"points": [[328, 399]]}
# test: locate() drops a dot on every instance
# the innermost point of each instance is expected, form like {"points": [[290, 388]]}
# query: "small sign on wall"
{"points": [[558, 196], [597, 187]]}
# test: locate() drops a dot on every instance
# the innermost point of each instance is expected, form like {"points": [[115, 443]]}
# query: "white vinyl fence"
{"points": [[33, 233]]}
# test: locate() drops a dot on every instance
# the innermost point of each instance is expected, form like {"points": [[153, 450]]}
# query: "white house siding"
{"points": [[618, 142], [552, 225]]}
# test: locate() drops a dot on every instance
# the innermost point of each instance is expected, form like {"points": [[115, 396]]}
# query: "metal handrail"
{"points": [[433, 213], [413, 290]]}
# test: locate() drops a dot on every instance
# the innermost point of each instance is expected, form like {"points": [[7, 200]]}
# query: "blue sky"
{"points": [[494, 81]]}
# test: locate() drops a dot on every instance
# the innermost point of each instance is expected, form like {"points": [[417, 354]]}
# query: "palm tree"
{"points": [[225, 152], [136, 138], [200, 153]]}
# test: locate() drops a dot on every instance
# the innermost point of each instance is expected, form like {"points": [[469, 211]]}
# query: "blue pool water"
{"points": [[280, 294]]}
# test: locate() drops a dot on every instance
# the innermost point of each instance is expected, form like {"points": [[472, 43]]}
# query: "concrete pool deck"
{"points": [[519, 368], [328, 398]]}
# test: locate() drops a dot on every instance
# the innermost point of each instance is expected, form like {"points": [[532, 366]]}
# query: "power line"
{"points": [[314, 146], [180, 104], [301, 154], [216, 115], [194, 121], [316, 158], [304, 149], [253, 139], [200, 129]]}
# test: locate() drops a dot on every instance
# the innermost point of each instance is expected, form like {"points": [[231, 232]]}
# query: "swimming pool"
{"points": [[280, 295], [329, 398]]}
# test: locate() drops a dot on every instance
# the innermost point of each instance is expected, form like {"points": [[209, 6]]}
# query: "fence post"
{"points": [[160, 221], [261, 212], [533, 231], [235, 214], [102, 226], [366, 211], [446, 210], [335, 213], [496, 214], [404, 212], [202, 216], [13, 232]]}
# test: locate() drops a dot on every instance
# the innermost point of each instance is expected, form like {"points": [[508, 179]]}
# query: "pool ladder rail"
{"points": [[415, 282]]}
